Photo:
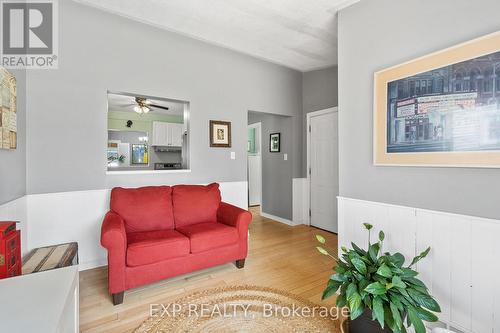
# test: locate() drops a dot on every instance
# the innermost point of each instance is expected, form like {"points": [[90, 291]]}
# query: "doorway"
{"points": [[322, 168], [254, 160]]}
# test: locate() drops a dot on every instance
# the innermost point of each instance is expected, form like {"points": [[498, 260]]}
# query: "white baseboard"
{"points": [[93, 264], [277, 219], [300, 201]]}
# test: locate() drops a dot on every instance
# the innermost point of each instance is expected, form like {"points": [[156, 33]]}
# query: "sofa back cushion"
{"points": [[144, 208], [195, 204]]}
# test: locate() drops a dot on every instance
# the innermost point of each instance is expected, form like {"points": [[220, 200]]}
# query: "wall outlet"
{"points": [[233, 155], [285, 157]]}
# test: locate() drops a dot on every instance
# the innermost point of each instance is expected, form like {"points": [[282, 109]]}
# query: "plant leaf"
{"points": [[378, 310], [389, 320], [408, 272], [424, 300], [376, 288], [420, 256], [322, 250], [396, 315], [340, 268], [351, 290], [381, 236], [355, 306], [398, 259], [330, 289], [426, 315], [415, 320], [359, 265], [338, 277], [358, 250], [321, 239], [416, 282], [368, 226], [340, 301], [397, 282], [384, 271], [373, 251], [396, 299]]}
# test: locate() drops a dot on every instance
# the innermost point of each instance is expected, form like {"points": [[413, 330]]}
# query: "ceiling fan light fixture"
{"points": [[142, 109]]}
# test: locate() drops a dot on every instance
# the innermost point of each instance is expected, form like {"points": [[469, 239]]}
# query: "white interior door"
{"points": [[323, 172], [255, 169]]}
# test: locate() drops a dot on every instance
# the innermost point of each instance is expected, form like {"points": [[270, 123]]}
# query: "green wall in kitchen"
{"points": [[251, 141], [117, 120]]}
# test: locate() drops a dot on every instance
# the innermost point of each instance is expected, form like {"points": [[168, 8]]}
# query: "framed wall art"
{"points": [[220, 134], [140, 154], [442, 109], [8, 110], [275, 142]]}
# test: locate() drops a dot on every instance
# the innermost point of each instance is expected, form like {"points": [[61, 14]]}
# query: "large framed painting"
{"points": [[8, 110], [442, 109]]}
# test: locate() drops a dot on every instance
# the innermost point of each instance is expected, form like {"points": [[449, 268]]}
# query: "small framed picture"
{"points": [[220, 134], [140, 154], [275, 142]]}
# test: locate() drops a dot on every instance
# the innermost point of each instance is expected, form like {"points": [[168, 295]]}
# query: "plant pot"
{"points": [[365, 324]]}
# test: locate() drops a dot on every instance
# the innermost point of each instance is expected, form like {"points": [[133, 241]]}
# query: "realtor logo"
{"points": [[29, 34]]}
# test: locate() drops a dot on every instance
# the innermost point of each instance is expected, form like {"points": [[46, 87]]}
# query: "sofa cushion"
{"points": [[145, 208], [195, 204], [153, 246], [206, 236]]}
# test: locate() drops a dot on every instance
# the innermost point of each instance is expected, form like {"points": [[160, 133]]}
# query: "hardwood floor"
{"points": [[280, 256]]}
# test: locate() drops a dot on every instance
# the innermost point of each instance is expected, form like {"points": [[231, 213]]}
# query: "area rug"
{"points": [[241, 309]]}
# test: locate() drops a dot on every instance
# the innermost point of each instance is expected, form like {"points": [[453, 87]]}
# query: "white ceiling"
{"points": [[126, 103], [300, 34]]}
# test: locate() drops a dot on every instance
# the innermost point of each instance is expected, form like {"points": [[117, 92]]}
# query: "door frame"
{"points": [[308, 170], [259, 127]]}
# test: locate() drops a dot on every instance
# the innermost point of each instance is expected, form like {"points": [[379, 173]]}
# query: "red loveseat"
{"points": [[152, 233]]}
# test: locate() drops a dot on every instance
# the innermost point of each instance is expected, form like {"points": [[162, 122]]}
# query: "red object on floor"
{"points": [[155, 232], [10, 250]]}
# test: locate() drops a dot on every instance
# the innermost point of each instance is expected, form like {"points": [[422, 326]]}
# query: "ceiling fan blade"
{"points": [[158, 106]]}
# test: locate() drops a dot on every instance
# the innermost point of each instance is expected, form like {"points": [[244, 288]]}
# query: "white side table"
{"points": [[45, 302]]}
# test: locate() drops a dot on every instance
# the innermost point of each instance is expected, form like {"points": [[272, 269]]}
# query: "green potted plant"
{"points": [[381, 293]]}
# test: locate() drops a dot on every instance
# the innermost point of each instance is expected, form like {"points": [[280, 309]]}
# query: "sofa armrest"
{"points": [[235, 217], [114, 239], [113, 235]]}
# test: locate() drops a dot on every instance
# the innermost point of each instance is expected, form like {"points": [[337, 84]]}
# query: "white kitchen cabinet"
{"points": [[167, 134], [176, 133]]}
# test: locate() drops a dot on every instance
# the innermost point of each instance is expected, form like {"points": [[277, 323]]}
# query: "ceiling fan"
{"points": [[144, 105]]}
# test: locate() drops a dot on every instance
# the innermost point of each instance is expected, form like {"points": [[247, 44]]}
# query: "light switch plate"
{"points": [[285, 157], [233, 155]]}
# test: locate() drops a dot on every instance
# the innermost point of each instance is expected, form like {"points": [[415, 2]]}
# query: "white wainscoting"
{"points": [[15, 210], [77, 217], [300, 193], [462, 270]]}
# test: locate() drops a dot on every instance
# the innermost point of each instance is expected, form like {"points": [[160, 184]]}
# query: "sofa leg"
{"points": [[118, 298], [240, 263]]}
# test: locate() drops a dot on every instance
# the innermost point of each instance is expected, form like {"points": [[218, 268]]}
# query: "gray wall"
{"points": [[277, 173], [319, 91], [100, 52], [13, 162], [376, 34]]}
